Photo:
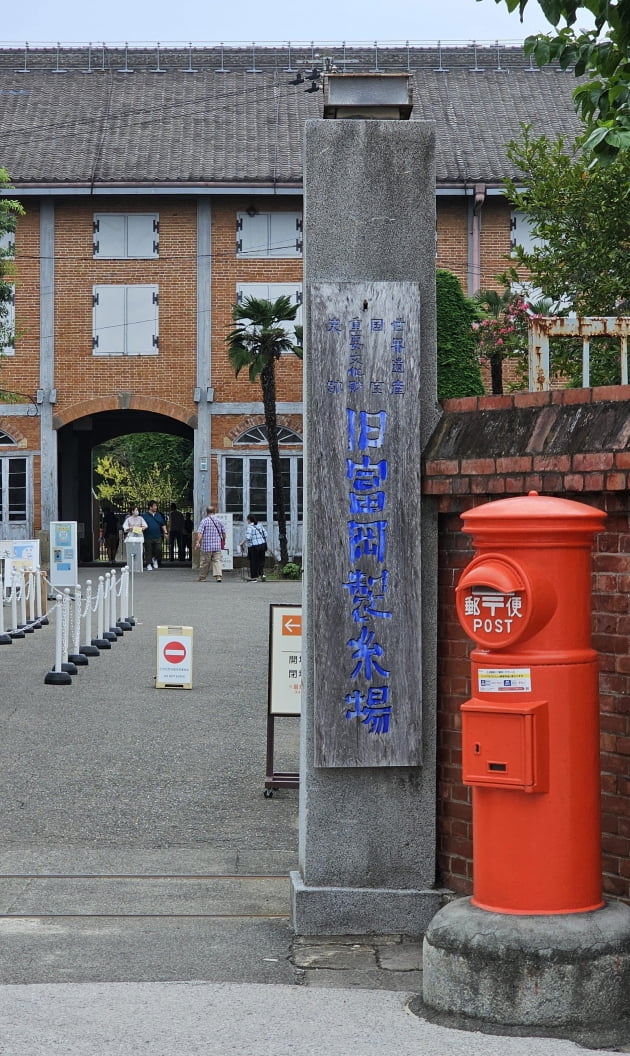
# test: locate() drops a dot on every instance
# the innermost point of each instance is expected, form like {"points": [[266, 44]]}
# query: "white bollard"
{"points": [[124, 620], [88, 648], [66, 664], [76, 655], [30, 593], [113, 624], [58, 677], [100, 641], [15, 632], [5, 639], [23, 624]]}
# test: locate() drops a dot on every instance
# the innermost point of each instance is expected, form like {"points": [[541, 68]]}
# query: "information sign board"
{"points": [[174, 658], [63, 553], [285, 659]]}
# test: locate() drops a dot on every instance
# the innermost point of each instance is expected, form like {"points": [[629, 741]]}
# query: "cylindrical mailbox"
{"points": [[530, 732]]}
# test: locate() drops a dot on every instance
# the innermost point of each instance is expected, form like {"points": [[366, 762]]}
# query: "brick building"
{"points": [[159, 186]]}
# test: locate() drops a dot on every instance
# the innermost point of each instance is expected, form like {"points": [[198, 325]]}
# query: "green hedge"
{"points": [[458, 370]]}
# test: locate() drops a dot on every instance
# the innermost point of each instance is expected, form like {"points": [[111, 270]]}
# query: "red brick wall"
{"points": [[597, 478]]}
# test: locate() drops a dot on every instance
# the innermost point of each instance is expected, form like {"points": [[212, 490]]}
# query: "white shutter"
{"points": [[142, 320], [292, 290], [109, 320], [252, 235], [142, 235], [260, 290], [520, 232], [285, 237], [109, 235], [270, 291]]}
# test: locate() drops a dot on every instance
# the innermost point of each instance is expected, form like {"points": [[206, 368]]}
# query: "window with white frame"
{"points": [[247, 487], [7, 321], [126, 236], [270, 291], [14, 491], [125, 320], [269, 234]]}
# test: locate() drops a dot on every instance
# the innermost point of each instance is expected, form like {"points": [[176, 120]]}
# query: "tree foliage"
{"points": [[580, 215], [256, 343], [601, 55], [142, 466], [580, 258], [10, 209], [458, 371]]}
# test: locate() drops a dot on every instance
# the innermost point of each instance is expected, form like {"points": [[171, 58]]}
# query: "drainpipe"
{"points": [[474, 271]]}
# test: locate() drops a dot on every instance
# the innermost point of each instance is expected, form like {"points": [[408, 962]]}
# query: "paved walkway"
{"points": [[144, 901]]}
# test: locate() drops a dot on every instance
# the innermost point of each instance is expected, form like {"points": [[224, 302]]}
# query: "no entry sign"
{"points": [[175, 652], [174, 658]]}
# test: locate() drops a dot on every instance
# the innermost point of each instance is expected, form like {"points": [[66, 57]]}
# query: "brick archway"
{"points": [[124, 401]]}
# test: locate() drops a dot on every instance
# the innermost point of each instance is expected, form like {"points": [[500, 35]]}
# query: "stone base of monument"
{"points": [[360, 910], [559, 975]]}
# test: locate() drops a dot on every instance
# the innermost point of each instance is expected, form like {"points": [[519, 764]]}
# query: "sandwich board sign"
{"points": [[174, 658]]}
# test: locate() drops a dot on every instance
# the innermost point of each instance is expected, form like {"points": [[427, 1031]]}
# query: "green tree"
{"points": [[140, 466], [10, 209], [581, 218], [458, 371], [580, 260], [601, 54], [256, 343]]}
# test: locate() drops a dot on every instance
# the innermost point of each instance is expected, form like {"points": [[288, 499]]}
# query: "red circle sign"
{"points": [[174, 652]]}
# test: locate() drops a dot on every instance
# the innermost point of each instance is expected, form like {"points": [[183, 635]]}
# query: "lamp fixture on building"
{"points": [[380, 96]]}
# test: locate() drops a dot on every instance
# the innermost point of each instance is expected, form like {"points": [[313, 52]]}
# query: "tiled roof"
{"points": [[228, 116]]}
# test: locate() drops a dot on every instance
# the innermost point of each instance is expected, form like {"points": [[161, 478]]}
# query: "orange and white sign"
{"points": [[285, 659], [174, 657]]}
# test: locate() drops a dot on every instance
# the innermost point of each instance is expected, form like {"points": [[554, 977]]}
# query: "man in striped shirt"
{"points": [[209, 541]]}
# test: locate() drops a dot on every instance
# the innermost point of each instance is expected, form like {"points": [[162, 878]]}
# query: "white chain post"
{"points": [[58, 677], [124, 620], [16, 631], [66, 664], [101, 642], [107, 607], [30, 594], [23, 624], [5, 639], [113, 625], [88, 648], [77, 656]]}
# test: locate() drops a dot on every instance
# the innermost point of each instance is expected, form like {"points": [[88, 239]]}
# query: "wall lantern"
{"points": [[380, 96]]}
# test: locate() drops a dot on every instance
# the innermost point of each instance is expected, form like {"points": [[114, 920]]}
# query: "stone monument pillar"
{"points": [[367, 768]]}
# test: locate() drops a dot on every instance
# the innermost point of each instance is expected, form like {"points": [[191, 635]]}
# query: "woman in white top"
{"points": [[134, 527]]}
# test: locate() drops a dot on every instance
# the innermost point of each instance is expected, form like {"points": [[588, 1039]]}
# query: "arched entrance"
{"points": [[76, 440]]}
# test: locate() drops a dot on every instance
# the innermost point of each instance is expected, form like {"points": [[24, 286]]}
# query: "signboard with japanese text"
{"points": [[227, 554], [364, 517], [285, 659], [63, 553], [174, 658]]}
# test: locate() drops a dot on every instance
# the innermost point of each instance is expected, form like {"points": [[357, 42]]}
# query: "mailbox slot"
{"points": [[505, 747]]}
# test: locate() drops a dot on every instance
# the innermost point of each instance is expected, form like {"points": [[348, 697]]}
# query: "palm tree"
{"points": [[257, 341]]}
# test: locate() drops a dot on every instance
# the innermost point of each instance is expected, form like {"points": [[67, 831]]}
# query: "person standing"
{"points": [[156, 531], [134, 527], [256, 539], [175, 533], [209, 540], [110, 531], [187, 537]]}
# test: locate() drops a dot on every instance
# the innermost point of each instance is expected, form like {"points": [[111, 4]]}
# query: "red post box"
{"points": [[530, 732]]}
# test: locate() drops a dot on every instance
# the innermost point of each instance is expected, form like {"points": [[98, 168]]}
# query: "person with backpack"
{"points": [[256, 540]]}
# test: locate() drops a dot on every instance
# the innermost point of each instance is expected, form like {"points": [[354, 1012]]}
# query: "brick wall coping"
{"points": [[570, 440]]}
